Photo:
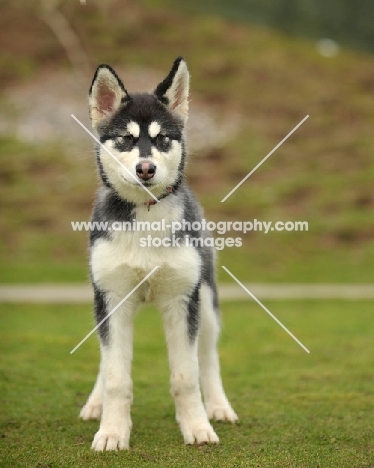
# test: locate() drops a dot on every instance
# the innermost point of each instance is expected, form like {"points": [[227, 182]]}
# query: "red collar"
{"points": [[153, 202]]}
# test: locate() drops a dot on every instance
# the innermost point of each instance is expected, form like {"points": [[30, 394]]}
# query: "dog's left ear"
{"points": [[173, 91]]}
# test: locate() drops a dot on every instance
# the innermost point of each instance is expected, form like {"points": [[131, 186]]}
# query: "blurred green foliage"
{"points": [[323, 174], [349, 22]]}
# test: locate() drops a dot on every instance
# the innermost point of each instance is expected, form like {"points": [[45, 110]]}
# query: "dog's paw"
{"points": [[110, 441], [90, 411], [199, 432], [221, 412]]}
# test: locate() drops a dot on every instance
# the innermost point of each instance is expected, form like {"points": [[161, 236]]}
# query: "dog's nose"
{"points": [[145, 170]]}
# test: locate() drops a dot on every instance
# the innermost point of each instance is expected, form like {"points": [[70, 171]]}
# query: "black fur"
{"points": [[144, 108], [193, 313], [100, 67], [100, 168], [109, 207], [165, 85], [100, 309], [208, 275]]}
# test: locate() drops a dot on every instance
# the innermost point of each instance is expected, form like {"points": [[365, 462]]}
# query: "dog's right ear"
{"points": [[107, 94]]}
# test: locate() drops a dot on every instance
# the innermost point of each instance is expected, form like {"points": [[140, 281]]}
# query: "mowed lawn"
{"points": [[296, 410]]}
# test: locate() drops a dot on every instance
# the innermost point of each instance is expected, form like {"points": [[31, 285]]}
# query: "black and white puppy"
{"points": [[145, 134]]}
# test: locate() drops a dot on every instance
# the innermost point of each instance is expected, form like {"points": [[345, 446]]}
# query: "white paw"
{"points": [[104, 440], [90, 411], [221, 412], [198, 432]]}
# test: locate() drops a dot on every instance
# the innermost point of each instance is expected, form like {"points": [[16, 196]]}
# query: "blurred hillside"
{"points": [[250, 87], [349, 22]]}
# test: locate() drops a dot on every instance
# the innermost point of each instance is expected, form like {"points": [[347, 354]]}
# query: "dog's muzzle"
{"points": [[145, 170]]}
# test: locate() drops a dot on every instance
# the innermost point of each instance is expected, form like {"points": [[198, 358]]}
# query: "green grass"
{"points": [[296, 410]]}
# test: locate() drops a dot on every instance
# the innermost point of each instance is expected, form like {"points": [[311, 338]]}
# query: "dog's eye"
{"points": [[126, 140], [162, 139]]}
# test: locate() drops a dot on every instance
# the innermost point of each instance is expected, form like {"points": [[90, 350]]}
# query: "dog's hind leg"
{"points": [[216, 402], [92, 409], [180, 316]]}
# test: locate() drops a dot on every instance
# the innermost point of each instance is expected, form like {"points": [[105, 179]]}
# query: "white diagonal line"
{"points": [[265, 158], [114, 157], [113, 310], [266, 309]]}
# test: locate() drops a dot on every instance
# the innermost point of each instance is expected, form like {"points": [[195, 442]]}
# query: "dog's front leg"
{"points": [[181, 321], [116, 357]]}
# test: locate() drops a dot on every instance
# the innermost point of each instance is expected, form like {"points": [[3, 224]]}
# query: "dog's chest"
{"points": [[122, 258]]}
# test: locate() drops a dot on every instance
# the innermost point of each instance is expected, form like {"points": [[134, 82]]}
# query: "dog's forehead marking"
{"points": [[134, 129], [154, 129]]}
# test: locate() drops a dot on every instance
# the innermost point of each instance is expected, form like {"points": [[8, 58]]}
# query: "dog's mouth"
{"points": [[144, 183]]}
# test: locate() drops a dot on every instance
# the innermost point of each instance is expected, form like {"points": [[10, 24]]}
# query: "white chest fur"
{"points": [[119, 262]]}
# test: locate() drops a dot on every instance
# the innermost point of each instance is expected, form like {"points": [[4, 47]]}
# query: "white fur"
{"points": [[115, 425], [177, 93], [184, 378], [216, 402], [118, 264], [167, 170], [154, 129], [183, 266], [134, 129], [106, 84], [93, 408]]}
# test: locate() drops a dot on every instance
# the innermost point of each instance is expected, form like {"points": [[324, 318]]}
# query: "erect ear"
{"points": [[107, 93], [173, 91]]}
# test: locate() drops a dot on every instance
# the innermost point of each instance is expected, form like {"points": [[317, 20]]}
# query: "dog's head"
{"points": [[143, 132]]}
